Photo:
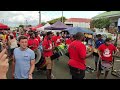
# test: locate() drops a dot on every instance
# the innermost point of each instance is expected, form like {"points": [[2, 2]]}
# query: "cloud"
{"points": [[15, 18]]}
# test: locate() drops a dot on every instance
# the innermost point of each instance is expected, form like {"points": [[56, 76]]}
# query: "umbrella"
{"points": [[74, 30]]}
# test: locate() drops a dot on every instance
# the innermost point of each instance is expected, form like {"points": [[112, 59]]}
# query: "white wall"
{"points": [[79, 24]]}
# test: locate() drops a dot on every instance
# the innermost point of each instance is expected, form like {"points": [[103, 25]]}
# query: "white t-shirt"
{"points": [[119, 22], [13, 43]]}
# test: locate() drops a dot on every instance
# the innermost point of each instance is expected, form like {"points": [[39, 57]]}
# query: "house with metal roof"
{"points": [[78, 22], [112, 15]]}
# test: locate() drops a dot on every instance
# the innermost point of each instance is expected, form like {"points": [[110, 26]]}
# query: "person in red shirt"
{"points": [[105, 52], [14, 33], [69, 40], [77, 55], [47, 53], [33, 44], [37, 37], [57, 39], [26, 34]]}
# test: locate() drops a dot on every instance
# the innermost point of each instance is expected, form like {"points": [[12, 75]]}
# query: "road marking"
{"points": [[117, 60]]}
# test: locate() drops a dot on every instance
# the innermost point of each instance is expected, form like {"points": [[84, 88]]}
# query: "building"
{"points": [[112, 15], [78, 22]]}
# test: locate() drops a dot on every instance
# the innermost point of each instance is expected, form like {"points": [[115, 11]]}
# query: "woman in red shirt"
{"points": [[105, 52], [77, 53]]}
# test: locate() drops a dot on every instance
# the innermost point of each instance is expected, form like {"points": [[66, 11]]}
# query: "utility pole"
{"points": [[62, 17], [39, 17], [26, 23]]}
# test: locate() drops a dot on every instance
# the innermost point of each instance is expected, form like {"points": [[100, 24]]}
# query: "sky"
{"points": [[15, 18]]}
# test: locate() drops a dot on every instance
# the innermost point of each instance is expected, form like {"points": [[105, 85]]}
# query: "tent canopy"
{"points": [[74, 30], [4, 27], [43, 27], [57, 26]]}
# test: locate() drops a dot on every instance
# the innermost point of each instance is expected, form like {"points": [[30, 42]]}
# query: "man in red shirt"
{"points": [[33, 44], [105, 52], [47, 53], [37, 37], [69, 40], [77, 53]]}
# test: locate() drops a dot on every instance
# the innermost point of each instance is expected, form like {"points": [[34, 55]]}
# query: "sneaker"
{"points": [[102, 72], [52, 76]]}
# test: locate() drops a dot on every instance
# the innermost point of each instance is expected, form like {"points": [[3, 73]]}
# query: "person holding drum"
{"points": [[78, 54], [98, 42], [105, 52], [47, 53]]}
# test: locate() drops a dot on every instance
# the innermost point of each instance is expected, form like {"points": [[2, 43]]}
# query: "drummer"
{"points": [[57, 39], [98, 42], [47, 53]]}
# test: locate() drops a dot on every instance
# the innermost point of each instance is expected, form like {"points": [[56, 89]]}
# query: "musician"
{"points": [[47, 53], [77, 53], [105, 52], [98, 42]]}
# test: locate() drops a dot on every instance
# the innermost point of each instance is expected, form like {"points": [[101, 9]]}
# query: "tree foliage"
{"points": [[57, 19], [101, 23], [43, 23], [21, 26]]}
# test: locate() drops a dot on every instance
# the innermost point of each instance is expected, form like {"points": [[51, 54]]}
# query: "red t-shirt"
{"points": [[57, 40], [107, 51], [47, 44], [27, 35], [38, 38], [68, 41], [34, 43], [77, 52], [14, 34]]}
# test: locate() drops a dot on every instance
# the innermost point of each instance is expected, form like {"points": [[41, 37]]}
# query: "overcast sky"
{"points": [[14, 18]]}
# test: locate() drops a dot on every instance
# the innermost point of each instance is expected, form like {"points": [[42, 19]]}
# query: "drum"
{"points": [[41, 65], [62, 49], [37, 55]]}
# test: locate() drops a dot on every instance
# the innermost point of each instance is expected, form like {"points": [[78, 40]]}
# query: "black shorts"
{"points": [[77, 73]]}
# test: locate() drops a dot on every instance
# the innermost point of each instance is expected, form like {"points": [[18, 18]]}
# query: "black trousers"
{"points": [[77, 73], [118, 28]]}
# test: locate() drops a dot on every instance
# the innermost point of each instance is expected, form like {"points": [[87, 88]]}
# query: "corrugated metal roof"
{"points": [[78, 20], [107, 14]]}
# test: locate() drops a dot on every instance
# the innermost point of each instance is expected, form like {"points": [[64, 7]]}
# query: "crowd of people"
{"points": [[25, 50]]}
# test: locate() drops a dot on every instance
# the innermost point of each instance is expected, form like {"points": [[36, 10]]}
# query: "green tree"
{"points": [[101, 23], [57, 19], [21, 26], [43, 23]]}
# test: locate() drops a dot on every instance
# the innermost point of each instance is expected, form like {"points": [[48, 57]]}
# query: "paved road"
{"points": [[61, 70]]}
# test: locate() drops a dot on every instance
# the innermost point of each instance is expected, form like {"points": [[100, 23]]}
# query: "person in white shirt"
{"points": [[13, 44]]}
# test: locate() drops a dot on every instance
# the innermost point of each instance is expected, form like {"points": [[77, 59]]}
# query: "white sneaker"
{"points": [[52, 76]]}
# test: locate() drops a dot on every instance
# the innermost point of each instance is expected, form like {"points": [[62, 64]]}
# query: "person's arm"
{"points": [[32, 65], [82, 52], [89, 54], [13, 67]]}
